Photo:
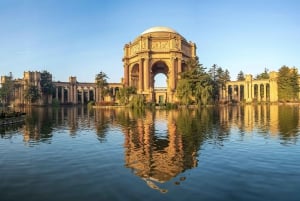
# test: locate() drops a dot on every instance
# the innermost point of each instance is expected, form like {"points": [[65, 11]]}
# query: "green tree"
{"points": [[184, 91], [195, 84], [47, 86], [124, 94], [288, 87], [240, 76], [31, 93], [101, 82], [6, 89], [264, 75]]}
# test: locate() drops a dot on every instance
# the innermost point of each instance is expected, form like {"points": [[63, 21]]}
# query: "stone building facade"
{"points": [[156, 50]]}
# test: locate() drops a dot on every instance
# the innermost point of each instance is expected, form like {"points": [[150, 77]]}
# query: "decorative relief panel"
{"points": [[160, 45], [134, 49]]}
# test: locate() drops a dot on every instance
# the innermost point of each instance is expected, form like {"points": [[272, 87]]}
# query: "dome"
{"points": [[159, 29]]}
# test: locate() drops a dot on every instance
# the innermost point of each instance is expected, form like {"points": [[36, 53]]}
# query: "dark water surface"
{"points": [[226, 153]]}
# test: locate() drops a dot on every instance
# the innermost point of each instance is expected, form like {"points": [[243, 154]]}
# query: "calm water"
{"points": [[228, 153]]}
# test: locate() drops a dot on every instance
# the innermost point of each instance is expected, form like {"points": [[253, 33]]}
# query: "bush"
{"points": [[137, 101], [55, 102], [171, 106], [105, 103]]}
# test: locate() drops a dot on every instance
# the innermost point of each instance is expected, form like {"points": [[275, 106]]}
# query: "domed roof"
{"points": [[159, 29]]}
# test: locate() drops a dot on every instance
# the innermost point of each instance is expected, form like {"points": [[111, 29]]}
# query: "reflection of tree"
{"points": [[103, 117], [38, 125], [288, 122]]}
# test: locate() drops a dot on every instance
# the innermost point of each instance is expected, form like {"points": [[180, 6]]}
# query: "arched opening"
{"points": [[160, 81], [134, 78], [159, 74]]}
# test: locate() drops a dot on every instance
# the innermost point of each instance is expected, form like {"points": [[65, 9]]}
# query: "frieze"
{"points": [[160, 45], [134, 49]]}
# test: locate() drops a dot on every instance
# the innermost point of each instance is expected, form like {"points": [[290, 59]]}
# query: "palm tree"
{"points": [[101, 82]]}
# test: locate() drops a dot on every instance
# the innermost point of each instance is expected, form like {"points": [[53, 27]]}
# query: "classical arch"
{"points": [[156, 68], [134, 76], [156, 50]]}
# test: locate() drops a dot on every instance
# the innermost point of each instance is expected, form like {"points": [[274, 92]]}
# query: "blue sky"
{"points": [[81, 38]]}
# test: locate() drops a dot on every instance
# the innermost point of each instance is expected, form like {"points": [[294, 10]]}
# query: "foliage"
{"points": [[184, 91], [195, 84], [102, 84], [137, 101], [170, 106], [47, 86], [240, 76], [55, 102], [219, 78], [90, 104], [288, 87], [264, 75], [31, 93], [124, 94], [6, 89]]}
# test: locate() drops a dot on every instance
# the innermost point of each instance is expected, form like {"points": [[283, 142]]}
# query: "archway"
{"points": [[160, 72], [134, 78]]}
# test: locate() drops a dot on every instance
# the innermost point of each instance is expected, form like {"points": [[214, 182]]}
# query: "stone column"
{"points": [[239, 93], [68, 94], [258, 93], [252, 91], [179, 66], [88, 94], [62, 94], [146, 74], [265, 92], [141, 75], [82, 96], [75, 94], [126, 75], [172, 75], [56, 93]]}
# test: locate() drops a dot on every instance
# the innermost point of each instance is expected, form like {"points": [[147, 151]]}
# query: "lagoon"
{"points": [[220, 153]]}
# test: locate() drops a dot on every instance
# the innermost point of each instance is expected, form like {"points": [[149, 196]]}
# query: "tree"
{"points": [[213, 72], [47, 87], [264, 75], [124, 94], [195, 84], [221, 77], [6, 89], [101, 82], [31, 93], [184, 91], [288, 87], [240, 76]]}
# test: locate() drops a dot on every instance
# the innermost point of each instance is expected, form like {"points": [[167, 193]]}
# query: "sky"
{"points": [[83, 37]]}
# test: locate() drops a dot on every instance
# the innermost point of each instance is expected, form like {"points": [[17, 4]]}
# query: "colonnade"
{"points": [[79, 93], [250, 90]]}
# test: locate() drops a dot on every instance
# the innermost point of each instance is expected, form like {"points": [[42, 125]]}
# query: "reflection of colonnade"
{"points": [[250, 90], [248, 117], [74, 92]]}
